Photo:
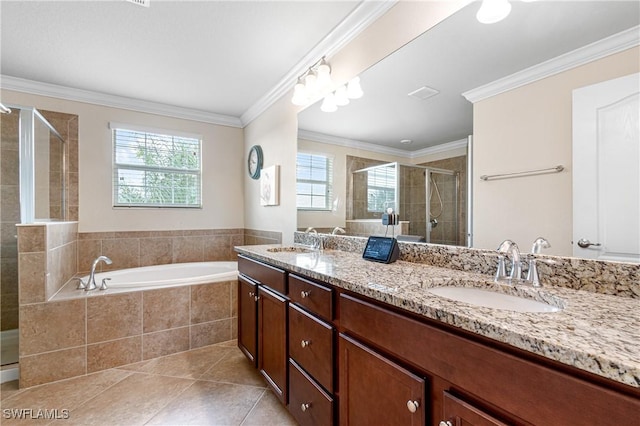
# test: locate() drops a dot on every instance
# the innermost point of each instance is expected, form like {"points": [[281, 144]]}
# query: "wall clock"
{"points": [[254, 161]]}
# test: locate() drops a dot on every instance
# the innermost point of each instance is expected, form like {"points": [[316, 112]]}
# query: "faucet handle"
{"points": [[81, 284], [103, 286], [501, 272]]}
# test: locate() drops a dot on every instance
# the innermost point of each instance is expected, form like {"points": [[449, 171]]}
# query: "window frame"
{"points": [[329, 195], [116, 167]]}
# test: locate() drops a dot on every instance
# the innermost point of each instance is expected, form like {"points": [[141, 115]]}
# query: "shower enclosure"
{"points": [[32, 185], [426, 197]]}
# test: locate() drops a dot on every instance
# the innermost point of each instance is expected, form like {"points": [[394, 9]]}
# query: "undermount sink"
{"points": [[492, 299], [290, 250]]}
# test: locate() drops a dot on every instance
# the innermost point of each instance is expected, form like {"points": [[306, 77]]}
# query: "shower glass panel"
{"points": [[426, 197], [32, 190]]}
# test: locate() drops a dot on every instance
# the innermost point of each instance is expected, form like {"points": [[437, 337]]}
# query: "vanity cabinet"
{"points": [[340, 357], [263, 322]]}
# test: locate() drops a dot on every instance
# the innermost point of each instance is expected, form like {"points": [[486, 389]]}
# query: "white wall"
{"points": [[530, 128], [222, 169], [276, 129]]}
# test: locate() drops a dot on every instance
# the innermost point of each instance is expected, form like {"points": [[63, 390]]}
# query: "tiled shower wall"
{"points": [[9, 216]]}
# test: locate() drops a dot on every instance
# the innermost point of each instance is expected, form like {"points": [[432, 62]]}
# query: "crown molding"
{"points": [[87, 96], [607, 46], [380, 149], [359, 19], [443, 147]]}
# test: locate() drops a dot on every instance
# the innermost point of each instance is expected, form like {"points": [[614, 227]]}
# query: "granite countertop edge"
{"points": [[593, 332]]}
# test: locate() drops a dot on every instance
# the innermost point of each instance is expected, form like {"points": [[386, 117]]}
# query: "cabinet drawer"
{"points": [[272, 277], [308, 403], [311, 345], [314, 297]]}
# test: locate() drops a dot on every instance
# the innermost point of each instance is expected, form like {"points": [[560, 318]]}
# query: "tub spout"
{"points": [[91, 285]]}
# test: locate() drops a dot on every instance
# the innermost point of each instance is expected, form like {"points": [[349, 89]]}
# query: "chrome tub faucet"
{"points": [[91, 284]]}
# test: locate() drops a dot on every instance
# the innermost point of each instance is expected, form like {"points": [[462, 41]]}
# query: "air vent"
{"points": [[424, 93], [144, 3]]}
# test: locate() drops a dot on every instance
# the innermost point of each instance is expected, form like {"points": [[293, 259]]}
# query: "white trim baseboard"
{"points": [[607, 46]]}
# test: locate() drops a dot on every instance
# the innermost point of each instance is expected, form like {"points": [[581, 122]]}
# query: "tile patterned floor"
{"points": [[214, 385]]}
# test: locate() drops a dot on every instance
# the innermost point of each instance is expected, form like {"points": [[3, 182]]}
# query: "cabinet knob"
{"points": [[413, 406], [305, 343], [251, 294], [445, 423], [305, 294], [305, 406]]}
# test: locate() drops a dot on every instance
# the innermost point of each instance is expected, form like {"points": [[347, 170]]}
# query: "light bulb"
{"points": [[311, 84], [329, 103], [299, 94], [354, 91], [492, 11], [341, 97], [324, 76]]}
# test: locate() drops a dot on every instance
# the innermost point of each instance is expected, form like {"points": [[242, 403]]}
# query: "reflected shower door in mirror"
{"points": [[414, 111]]}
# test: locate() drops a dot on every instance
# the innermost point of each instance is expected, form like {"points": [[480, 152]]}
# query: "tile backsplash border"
{"points": [[604, 277]]}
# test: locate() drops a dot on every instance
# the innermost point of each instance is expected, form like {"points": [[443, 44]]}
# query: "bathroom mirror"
{"points": [[415, 94]]}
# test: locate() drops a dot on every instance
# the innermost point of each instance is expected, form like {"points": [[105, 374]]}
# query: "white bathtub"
{"points": [[175, 274]]}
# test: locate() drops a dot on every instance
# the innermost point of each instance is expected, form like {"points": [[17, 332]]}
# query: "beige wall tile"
{"points": [[88, 250], [52, 326], [165, 308], [31, 238], [217, 247], [101, 356], [32, 277], [234, 298], [188, 249], [209, 333], [210, 302], [124, 252], [165, 342], [38, 369], [156, 251], [114, 316]]}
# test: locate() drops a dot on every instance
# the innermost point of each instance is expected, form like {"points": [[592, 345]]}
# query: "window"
{"points": [[314, 175], [155, 168], [381, 189]]}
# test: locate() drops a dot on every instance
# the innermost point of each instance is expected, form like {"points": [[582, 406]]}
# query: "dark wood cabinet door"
{"points": [[456, 412], [248, 319], [376, 391], [311, 345], [272, 340], [308, 402]]}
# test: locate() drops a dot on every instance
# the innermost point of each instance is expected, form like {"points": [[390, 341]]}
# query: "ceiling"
{"points": [[458, 55], [223, 58], [218, 57]]}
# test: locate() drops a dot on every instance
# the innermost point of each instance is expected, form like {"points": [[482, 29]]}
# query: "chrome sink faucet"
{"points": [[319, 245], [337, 230], [532, 274], [91, 284], [510, 248]]}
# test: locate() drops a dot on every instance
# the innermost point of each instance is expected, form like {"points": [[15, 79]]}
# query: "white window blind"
{"points": [[381, 189], [155, 169], [314, 176]]}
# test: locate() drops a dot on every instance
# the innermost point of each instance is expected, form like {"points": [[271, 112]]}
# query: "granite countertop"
{"points": [[594, 332]]}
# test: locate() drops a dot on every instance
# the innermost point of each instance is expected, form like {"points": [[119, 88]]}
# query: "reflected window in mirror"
{"points": [[381, 189], [314, 181]]}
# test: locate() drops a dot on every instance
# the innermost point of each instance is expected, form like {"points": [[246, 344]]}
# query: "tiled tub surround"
{"points": [[97, 331], [54, 342], [595, 332]]}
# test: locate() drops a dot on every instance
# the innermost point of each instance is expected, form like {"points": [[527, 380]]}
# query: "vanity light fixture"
{"points": [[315, 82], [492, 11]]}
